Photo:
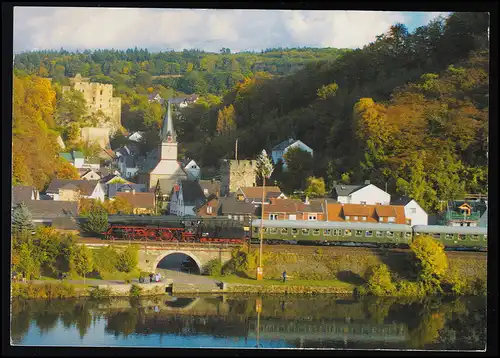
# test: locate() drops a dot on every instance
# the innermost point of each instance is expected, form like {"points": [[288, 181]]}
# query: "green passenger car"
{"points": [[331, 232], [455, 236]]}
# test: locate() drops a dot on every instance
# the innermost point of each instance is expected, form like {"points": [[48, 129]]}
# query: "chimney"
{"points": [[307, 200], [367, 182]]}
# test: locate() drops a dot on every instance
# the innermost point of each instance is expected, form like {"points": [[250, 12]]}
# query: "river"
{"points": [[251, 321]]}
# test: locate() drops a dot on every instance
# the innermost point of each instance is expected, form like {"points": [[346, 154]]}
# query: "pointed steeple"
{"points": [[167, 133]]}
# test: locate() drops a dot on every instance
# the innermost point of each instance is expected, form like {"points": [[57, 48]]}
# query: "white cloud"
{"points": [[210, 30]]}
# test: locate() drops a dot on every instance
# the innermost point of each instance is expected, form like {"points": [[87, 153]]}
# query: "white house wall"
{"points": [[370, 195], [79, 162], [415, 212], [98, 192]]}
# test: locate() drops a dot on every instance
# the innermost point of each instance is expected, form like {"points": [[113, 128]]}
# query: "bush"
{"points": [[127, 260], [213, 267], [410, 289], [99, 293], [135, 291], [431, 258], [379, 282], [46, 291]]}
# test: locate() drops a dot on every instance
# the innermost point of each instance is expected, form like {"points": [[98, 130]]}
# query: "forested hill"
{"points": [[189, 71], [409, 110]]}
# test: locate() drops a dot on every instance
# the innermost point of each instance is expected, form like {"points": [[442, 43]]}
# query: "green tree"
{"points": [[431, 260], [379, 281], [82, 261], [127, 260], [143, 79], [299, 166], [22, 219], [97, 221], [327, 91], [26, 257], [71, 108], [315, 187]]}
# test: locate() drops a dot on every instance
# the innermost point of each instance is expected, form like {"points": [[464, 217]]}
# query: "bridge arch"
{"points": [[196, 259]]}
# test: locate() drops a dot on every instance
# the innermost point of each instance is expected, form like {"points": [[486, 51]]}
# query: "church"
{"points": [[161, 163]]}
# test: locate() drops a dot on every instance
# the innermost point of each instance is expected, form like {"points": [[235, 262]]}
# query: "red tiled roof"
{"points": [[356, 210], [255, 192]]}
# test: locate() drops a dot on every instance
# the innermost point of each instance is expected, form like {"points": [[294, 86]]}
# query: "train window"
{"points": [[273, 230], [474, 237], [390, 234], [284, 231], [305, 231], [264, 230], [485, 237], [379, 234], [436, 236], [327, 232], [461, 237], [369, 233], [255, 229], [359, 233], [316, 232], [449, 236], [407, 234], [347, 232], [295, 231]]}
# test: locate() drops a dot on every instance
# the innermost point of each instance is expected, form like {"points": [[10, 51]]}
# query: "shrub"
{"points": [[213, 267], [431, 259], [105, 259], [379, 282], [135, 291], [99, 293], [128, 259], [410, 289]]}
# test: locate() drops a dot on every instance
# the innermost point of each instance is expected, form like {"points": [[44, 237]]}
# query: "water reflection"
{"points": [[253, 322]]}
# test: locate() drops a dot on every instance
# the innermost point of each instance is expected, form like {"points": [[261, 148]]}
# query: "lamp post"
{"points": [[264, 170]]}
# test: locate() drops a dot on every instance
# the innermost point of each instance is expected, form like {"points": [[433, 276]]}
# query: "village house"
{"points": [[210, 187], [183, 102], [23, 193], [89, 174], [465, 213], [192, 170], [279, 151], [155, 97], [254, 194], [76, 158], [415, 214], [229, 207], [128, 166], [58, 214], [142, 203], [367, 194], [113, 189], [294, 209], [73, 190], [161, 162], [392, 214], [185, 197]]}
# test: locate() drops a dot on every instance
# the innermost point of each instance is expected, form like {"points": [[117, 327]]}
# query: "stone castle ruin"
{"points": [[237, 173]]}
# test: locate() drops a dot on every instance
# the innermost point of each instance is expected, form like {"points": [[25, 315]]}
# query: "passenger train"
{"points": [[223, 230]]}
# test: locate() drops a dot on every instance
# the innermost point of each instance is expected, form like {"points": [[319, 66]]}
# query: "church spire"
{"points": [[167, 133]]}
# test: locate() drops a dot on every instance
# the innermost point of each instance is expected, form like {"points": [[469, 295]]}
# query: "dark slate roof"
{"points": [[130, 161], [192, 193], [86, 186], [401, 200], [284, 144], [212, 187], [21, 193], [344, 190], [209, 199], [230, 205], [50, 209], [113, 189], [166, 185]]}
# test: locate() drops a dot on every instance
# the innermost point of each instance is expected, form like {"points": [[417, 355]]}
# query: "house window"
{"points": [[326, 232], [391, 219], [362, 202], [273, 216], [100, 106], [380, 220], [378, 203], [100, 93], [413, 210], [355, 218], [209, 210], [316, 232], [369, 233], [347, 217], [305, 231], [312, 217]]}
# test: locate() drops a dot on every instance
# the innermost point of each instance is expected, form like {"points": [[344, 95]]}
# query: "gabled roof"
{"points": [[283, 145], [66, 156], [192, 194], [86, 187], [139, 200], [208, 200], [112, 189], [385, 211], [344, 190], [338, 212], [69, 186], [255, 192], [49, 209], [230, 205], [21, 193], [212, 187], [401, 200]]}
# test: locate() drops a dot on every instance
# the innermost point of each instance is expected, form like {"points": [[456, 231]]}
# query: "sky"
{"points": [[43, 28]]}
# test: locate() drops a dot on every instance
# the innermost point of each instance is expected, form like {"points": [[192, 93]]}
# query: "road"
{"points": [[185, 278]]}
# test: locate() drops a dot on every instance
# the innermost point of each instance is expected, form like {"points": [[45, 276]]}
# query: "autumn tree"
{"points": [[315, 187], [431, 260], [81, 260], [327, 91], [226, 121], [66, 170]]}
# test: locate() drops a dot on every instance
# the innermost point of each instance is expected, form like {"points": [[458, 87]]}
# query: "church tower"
{"points": [[168, 146]]}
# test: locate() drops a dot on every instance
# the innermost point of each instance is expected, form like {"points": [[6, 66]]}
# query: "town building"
{"points": [[23, 193], [88, 174], [235, 174], [279, 151], [113, 189], [142, 203], [415, 214], [161, 162], [95, 135], [98, 97], [229, 207], [155, 97], [367, 194], [185, 197], [254, 194], [183, 102], [73, 190], [392, 214], [192, 170], [464, 213], [294, 209]]}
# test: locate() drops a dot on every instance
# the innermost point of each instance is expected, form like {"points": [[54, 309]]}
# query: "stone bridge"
{"points": [[151, 255]]}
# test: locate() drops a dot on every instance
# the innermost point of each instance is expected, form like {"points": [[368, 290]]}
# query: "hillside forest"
{"points": [[409, 111]]}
